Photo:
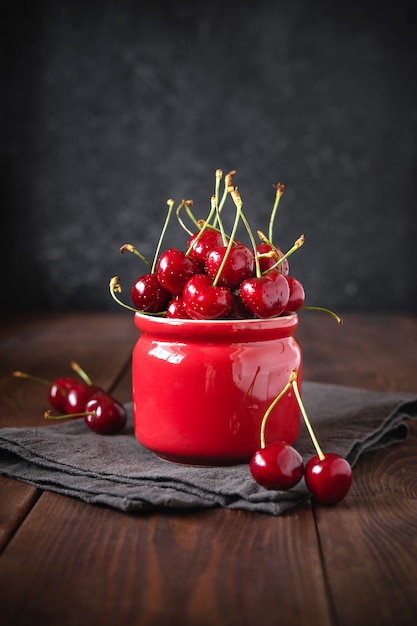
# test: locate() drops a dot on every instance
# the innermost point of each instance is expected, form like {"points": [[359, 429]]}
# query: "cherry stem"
{"points": [[306, 420], [278, 195], [227, 185], [81, 373], [36, 379], [252, 240], [297, 244], [202, 228], [114, 286], [186, 205], [158, 247], [272, 405], [337, 317], [238, 203], [219, 176], [130, 248], [47, 415]]}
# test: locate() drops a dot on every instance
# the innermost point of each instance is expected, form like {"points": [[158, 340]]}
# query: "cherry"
{"points": [[203, 300], [174, 268], [198, 245], [78, 396], [297, 295], [59, 389], [329, 478], [148, 295], [273, 255], [105, 415], [265, 296], [277, 466], [239, 264], [176, 309]]}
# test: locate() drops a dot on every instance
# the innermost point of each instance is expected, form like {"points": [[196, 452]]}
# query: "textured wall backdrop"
{"points": [[111, 108]]}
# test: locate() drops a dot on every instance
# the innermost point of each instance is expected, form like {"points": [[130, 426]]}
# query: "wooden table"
{"points": [[64, 562]]}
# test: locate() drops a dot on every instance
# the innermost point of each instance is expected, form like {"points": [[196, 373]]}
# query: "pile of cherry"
{"points": [[217, 276], [279, 465], [76, 398]]}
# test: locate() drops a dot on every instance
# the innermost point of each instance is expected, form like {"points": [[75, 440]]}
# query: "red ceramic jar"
{"points": [[201, 388]]}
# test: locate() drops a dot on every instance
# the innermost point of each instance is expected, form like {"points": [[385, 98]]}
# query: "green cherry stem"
{"points": [[306, 420], [297, 244], [337, 317], [238, 203], [170, 204], [36, 379], [227, 186], [130, 248], [48, 416], [186, 204], [81, 373], [278, 195], [203, 225], [273, 404]]}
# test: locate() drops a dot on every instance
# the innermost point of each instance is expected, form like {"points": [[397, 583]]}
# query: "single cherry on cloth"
{"points": [[199, 244], [148, 295], [329, 479], [239, 265], [105, 415], [277, 466], [174, 268], [265, 296], [203, 300]]}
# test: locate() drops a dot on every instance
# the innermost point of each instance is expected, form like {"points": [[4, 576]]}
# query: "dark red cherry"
{"points": [[329, 480], [106, 415], [209, 239], [277, 466], [297, 295], [148, 295], [265, 296], [267, 262], [58, 391], [174, 268], [239, 311], [176, 309], [204, 301], [78, 396], [239, 265]]}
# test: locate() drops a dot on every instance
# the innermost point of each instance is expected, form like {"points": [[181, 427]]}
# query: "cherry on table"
{"points": [[328, 479], [277, 466], [78, 396], [105, 415]]}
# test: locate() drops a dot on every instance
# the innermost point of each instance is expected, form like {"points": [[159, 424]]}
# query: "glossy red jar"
{"points": [[201, 388]]}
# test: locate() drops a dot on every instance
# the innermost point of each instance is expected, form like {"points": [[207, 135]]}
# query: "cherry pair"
{"points": [[279, 465], [80, 398]]}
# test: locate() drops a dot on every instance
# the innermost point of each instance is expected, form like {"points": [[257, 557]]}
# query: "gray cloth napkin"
{"points": [[118, 472]]}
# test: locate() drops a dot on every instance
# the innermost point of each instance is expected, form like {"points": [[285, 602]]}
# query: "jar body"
{"points": [[201, 388]]}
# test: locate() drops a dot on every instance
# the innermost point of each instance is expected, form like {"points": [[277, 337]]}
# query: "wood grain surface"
{"points": [[67, 563]]}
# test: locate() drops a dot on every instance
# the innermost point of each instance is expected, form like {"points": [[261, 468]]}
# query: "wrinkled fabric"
{"points": [[70, 459]]}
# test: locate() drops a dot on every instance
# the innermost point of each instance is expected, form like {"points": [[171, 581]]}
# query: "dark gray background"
{"points": [[111, 108]]}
